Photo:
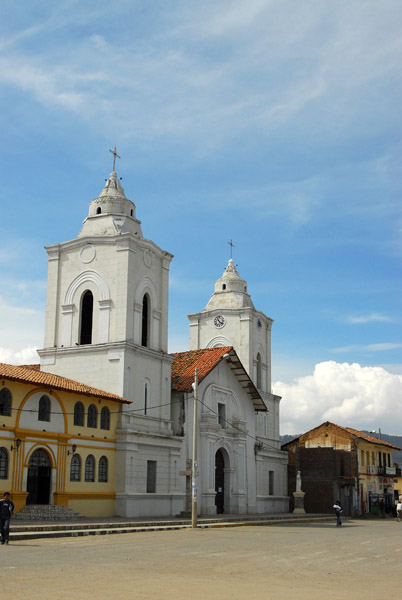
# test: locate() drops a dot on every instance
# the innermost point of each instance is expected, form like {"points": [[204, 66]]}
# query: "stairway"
{"points": [[46, 512]]}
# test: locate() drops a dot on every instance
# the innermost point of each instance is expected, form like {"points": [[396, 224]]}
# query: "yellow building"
{"points": [[398, 487], [376, 472], [57, 441]]}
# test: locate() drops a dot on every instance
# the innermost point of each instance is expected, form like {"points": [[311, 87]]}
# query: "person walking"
{"points": [[399, 510], [6, 510], [338, 511]]}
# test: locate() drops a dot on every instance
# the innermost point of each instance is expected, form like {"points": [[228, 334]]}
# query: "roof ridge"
{"points": [[26, 374]]}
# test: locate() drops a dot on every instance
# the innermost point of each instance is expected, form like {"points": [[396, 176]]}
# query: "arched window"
{"points": [[90, 468], [3, 463], [79, 414], [102, 469], [259, 368], [105, 418], [75, 468], [92, 419], [98, 210], [44, 409], [224, 286], [147, 394], [145, 321], [5, 402], [87, 305]]}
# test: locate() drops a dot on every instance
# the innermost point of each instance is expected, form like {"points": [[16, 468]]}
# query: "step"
{"points": [[46, 512], [27, 532]]}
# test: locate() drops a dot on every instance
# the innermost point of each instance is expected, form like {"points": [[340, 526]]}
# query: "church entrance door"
{"points": [[38, 483], [219, 482]]}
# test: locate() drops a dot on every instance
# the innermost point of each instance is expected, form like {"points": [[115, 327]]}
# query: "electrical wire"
{"points": [[263, 446]]}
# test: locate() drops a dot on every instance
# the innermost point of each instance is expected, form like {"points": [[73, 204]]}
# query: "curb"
{"points": [[32, 532]]}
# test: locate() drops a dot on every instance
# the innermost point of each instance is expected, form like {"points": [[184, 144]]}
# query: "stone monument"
{"points": [[298, 496]]}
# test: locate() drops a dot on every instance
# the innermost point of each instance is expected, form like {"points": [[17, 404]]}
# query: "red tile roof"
{"points": [[33, 375], [205, 360], [351, 431], [185, 363], [370, 438]]}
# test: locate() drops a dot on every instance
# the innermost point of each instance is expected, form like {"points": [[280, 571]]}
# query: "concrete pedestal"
{"points": [[299, 502]]}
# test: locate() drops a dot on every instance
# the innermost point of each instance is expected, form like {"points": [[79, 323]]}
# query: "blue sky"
{"points": [[272, 123]]}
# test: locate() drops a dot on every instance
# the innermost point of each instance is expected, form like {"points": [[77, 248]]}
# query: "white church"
{"points": [[107, 327]]}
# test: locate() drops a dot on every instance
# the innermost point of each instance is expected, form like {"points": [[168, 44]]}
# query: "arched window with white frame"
{"points": [[87, 309], [146, 306]]}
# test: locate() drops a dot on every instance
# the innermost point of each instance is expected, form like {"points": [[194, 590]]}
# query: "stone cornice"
{"points": [[107, 347], [124, 241]]}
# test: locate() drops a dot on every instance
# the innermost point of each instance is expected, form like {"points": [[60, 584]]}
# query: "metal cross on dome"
{"points": [[231, 244], [114, 157]]}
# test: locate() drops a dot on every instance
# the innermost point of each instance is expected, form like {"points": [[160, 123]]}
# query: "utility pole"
{"points": [[194, 471]]}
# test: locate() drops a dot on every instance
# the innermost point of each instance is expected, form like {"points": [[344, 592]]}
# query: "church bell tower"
{"points": [[107, 303], [230, 319]]}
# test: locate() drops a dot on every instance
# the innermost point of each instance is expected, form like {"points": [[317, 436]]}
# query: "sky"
{"points": [[272, 123]]}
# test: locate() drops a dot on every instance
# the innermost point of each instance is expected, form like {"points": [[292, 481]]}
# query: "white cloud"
{"points": [[372, 318], [346, 394], [20, 327], [26, 356], [382, 347], [208, 69]]}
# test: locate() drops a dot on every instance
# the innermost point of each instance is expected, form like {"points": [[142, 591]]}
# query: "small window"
{"points": [[92, 419], [90, 468], [224, 286], [271, 483], [131, 213], [3, 463], [105, 418], [79, 414], [222, 415], [265, 424], [5, 402], [151, 476], [44, 409], [103, 468], [259, 370], [98, 210], [75, 468], [147, 389]]}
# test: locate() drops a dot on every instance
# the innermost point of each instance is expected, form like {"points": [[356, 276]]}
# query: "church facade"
{"points": [[107, 326]]}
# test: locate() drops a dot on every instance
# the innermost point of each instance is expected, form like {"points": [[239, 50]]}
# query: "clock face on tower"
{"points": [[219, 321]]}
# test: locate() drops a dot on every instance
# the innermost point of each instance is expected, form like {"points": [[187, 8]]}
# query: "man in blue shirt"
{"points": [[6, 510]]}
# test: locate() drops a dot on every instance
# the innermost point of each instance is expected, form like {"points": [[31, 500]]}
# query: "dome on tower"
{"points": [[112, 199], [230, 290], [111, 212]]}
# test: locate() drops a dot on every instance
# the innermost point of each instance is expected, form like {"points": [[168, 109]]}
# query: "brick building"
{"points": [[341, 463]]}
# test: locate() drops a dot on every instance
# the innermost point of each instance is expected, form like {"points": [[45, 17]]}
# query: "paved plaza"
{"points": [[360, 560]]}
